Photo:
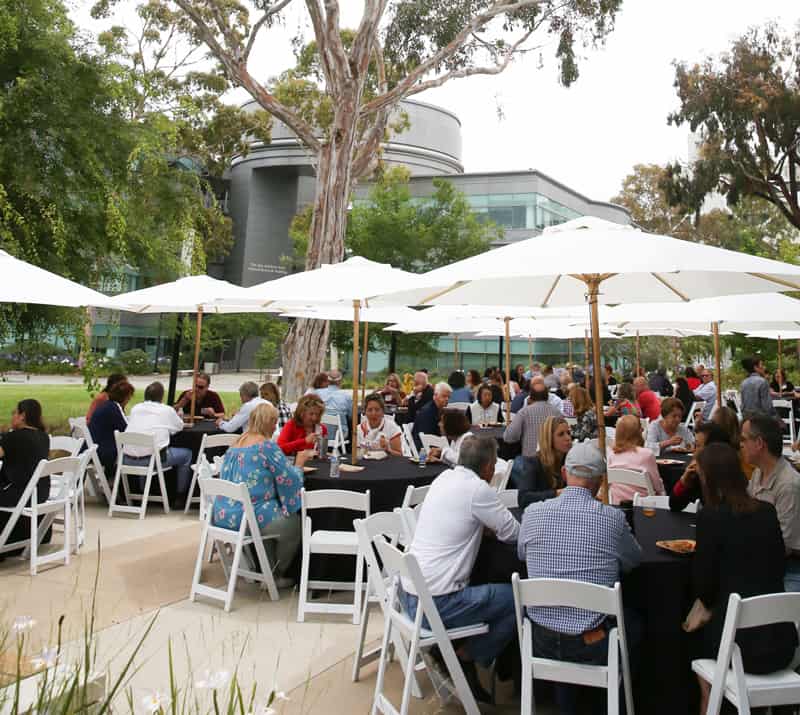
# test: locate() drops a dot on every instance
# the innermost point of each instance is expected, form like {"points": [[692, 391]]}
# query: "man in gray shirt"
{"points": [[754, 389]]}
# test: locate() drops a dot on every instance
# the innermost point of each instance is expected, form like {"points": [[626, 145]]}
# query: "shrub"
{"points": [[135, 362]]}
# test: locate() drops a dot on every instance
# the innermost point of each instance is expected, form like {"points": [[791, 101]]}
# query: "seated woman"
{"points": [[392, 391], [376, 431], [626, 403], [21, 450], [691, 378], [780, 387], [728, 420], [583, 407], [102, 396], [303, 431], [740, 550], [484, 411], [668, 432], [461, 393], [687, 488], [274, 486], [269, 391], [107, 418], [630, 453], [473, 382], [455, 426], [541, 476], [319, 382]]}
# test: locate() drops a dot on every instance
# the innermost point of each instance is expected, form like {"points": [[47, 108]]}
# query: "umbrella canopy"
{"points": [[345, 313], [545, 329], [25, 283], [775, 334], [187, 295]]}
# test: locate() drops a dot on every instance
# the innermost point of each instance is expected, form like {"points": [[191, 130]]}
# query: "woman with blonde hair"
{"points": [[392, 390], [274, 486], [303, 431], [583, 407], [541, 477], [630, 453]]}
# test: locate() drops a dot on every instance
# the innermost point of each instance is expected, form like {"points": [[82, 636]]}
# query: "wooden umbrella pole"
{"points": [[507, 321], [364, 359], [586, 358], [718, 370], [196, 358], [530, 351], [780, 362], [593, 286], [354, 416], [638, 361], [455, 351], [569, 352]]}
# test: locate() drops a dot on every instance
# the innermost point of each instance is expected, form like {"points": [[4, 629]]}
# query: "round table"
{"points": [[192, 435], [671, 465], [505, 450]]}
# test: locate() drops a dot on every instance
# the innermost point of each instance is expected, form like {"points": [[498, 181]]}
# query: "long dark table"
{"points": [[505, 450], [671, 473], [192, 435]]}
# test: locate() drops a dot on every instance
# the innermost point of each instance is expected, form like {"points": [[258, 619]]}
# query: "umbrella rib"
{"points": [[550, 292], [667, 284], [444, 291], [773, 279]]}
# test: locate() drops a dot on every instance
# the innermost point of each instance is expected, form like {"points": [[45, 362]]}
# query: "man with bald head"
{"points": [[421, 395], [536, 383], [648, 401]]}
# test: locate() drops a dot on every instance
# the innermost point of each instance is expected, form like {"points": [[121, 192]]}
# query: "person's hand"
{"points": [[435, 453], [312, 438], [219, 421], [302, 457], [795, 446], [672, 441], [207, 412], [690, 475], [384, 443]]}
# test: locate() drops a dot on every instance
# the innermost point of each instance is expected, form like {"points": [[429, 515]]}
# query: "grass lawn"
{"points": [[59, 402]]}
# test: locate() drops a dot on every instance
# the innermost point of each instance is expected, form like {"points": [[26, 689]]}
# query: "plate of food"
{"points": [[669, 461], [350, 468], [375, 454], [681, 450], [678, 546]]}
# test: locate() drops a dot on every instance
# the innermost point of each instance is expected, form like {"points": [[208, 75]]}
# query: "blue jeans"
{"points": [[791, 577], [178, 457], [492, 603]]}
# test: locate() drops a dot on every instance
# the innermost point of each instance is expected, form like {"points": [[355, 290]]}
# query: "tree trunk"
{"points": [[304, 348], [239, 344]]}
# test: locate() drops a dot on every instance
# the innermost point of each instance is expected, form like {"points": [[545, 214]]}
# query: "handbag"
{"points": [[697, 617]]}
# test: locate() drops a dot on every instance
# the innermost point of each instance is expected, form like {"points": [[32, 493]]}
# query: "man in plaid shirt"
{"points": [[576, 537]]}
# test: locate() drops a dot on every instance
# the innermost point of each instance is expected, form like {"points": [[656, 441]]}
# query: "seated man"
{"points": [[337, 402], [522, 396], [153, 417], [427, 418], [420, 396], [707, 392], [207, 403], [575, 536], [649, 403], [457, 509], [251, 399], [525, 424]]}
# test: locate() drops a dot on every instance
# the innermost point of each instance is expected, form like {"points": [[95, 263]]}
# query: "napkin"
{"points": [[350, 468]]}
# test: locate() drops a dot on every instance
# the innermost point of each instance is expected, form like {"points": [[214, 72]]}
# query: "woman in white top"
{"points": [[484, 411], [454, 425], [376, 431]]}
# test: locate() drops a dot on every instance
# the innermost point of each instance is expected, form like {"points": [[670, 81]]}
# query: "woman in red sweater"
{"points": [[301, 432]]}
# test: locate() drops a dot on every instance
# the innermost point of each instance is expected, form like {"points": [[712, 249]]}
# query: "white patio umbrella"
{"points": [[599, 261], [25, 283], [780, 336], [193, 294], [350, 282]]}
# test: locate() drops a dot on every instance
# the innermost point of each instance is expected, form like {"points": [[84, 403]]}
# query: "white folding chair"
{"points": [[612, 390], [331, 543], [509, 498], [458, 406], [726, 674], [209, 441], [71, 445], [502, 473], [407, 442], [124, 471], [98, 482], [408, 511], [544, 592], [791, 437], [247, 533], [388, 525], [662, 502], [631, 477], [75, 487], [430, 441], [337, 443], [28, 506], [696, 405], [399, 565]]}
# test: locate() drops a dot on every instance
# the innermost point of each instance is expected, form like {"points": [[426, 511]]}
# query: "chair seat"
{"points": [[779, 688], [333, 542]]}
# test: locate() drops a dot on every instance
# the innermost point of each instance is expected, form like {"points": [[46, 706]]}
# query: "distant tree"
{"points": [[745, 105]]}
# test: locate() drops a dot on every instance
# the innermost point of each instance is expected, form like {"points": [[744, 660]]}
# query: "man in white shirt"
{"points": [[248, 393], [457, 509], [707, 392], [160, 420]]}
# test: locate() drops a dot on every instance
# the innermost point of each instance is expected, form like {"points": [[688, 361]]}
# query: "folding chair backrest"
{"points": [[61, 443], [76, 423], [653, 501], [62, 465], [334, 499], [509, 498], [432, 440], [765, 610], [134, 439], [697, 405], [502, 473], [631, 477], [414, 495], [386, 524], [408, 441], [220, 440], [223, 488]]}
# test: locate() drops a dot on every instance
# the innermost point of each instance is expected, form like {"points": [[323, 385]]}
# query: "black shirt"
{"points": [[23, 450], [533, 484], [416, 402]]}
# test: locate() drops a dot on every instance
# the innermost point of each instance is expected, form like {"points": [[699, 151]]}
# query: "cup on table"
{"points": [[649, 511]]}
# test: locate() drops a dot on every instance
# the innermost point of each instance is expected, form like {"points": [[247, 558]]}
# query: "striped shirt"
{"points": [[526, 423]]}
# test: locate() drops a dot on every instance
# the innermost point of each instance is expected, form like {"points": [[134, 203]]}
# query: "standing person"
{"points": [[21, 450], [250, 397], [739, 550], [160, 420], [526, 423], [521, 399], [270, 392], [707, 392], [610, 379], [107, 418], [754, 389], [484, 411], [101, 397], [649, 404], [577, 537], [420, 396], [303, 431], [458, 508], [541, 476], [427, 419], [775, 481], [207, 403], [629, 452], [337, 402], [274, 486]]}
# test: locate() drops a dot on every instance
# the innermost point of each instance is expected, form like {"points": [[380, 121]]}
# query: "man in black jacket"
{"points": [[427, 418]]}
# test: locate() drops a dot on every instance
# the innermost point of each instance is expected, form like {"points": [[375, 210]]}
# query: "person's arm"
{"points": [[288, 488], [705, 563], [513, 433], [236, 422], [395, 445], [288, 440], [651, 469], [489, 510], [174, 423], [686, 435], [629, 552], [183, 399], [785, 506]]}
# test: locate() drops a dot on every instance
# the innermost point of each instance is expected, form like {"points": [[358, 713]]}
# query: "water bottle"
{"points": [[334, 474], [422, 458]]}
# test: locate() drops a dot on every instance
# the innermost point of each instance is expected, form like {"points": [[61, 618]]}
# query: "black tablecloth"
{"points": [[192, 435], [505, 450], [387, 481], [671, 473]]}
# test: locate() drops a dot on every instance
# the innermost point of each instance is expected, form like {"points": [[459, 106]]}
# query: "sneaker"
{"points": [[471, 675], [440, 678]]}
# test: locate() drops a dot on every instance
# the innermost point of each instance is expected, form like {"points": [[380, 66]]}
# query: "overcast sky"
{"points": [[590, 135]]}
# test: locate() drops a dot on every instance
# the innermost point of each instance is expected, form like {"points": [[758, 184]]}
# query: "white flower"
{"points": [[155, 702], [46, 659], [280, 695], [22, 624], [213, 681]]}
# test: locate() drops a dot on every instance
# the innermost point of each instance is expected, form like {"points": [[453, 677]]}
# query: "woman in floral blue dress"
{"points": [[274, 486]]}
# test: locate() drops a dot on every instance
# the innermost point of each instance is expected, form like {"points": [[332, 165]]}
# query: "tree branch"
{"points": [[268, 13], [366, 35]]}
